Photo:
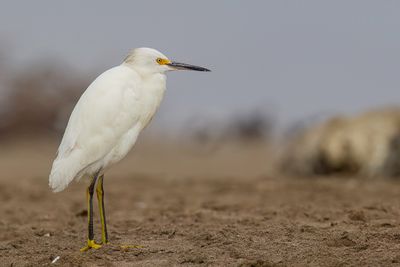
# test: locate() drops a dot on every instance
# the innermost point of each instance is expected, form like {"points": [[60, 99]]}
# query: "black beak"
{"points": [[183, 66]]}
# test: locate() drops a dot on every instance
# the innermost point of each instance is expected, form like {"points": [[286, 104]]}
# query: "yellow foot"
{"points": [[90, 244]]}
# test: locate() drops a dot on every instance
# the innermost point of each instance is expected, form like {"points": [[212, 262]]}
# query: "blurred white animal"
{"points": [[106, 122], [368, 144]]}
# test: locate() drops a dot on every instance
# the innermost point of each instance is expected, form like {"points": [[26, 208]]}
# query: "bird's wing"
{"points": [[103, 114]]}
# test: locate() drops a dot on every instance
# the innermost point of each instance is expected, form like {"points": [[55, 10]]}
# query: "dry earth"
{"points": [[194, 209]]}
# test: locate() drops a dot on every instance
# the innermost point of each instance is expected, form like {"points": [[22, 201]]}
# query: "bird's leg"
{"points": [[100, 200], [89, 196]]}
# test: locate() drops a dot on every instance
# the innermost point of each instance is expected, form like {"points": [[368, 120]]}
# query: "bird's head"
{"points": [[148, 60]]}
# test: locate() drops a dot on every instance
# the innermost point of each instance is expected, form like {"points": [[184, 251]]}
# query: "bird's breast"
{"points": [[152, 93]]}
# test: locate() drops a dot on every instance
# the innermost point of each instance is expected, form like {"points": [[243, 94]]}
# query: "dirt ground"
{"points": [[196, 209]]}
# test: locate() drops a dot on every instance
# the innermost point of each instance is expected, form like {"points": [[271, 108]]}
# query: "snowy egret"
{"points": [[106, 122]]}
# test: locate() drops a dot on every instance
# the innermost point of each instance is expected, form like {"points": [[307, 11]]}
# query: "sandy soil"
{"points": [[224, 209]]}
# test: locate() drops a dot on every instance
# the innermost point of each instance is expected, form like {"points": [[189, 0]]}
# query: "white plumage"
{"points": [[110, 114]]}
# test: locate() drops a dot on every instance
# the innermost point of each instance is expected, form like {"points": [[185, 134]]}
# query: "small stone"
{"points": [[357, 216]]}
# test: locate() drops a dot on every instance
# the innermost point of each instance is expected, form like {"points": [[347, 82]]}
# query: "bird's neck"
{"points": [[155, 83], [151, 80], [144, 72]]}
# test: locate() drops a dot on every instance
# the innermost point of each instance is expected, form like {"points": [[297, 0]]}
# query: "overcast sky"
{"points": [[294, 58]]}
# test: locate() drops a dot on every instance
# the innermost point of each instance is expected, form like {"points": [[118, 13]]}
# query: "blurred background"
{"points": [[228, 171], [279, 70]]}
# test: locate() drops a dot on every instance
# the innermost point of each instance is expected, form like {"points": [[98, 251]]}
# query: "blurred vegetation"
{"points": [[246, 128], [38, 99]]}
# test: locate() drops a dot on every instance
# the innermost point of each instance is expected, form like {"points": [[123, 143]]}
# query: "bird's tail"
{"points": [[64, 170]]}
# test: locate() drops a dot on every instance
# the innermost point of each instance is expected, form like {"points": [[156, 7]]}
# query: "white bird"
{"points": [[106, 122]]}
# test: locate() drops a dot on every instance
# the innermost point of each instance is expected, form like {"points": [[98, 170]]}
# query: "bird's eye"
{"points": [[159, 60]]}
